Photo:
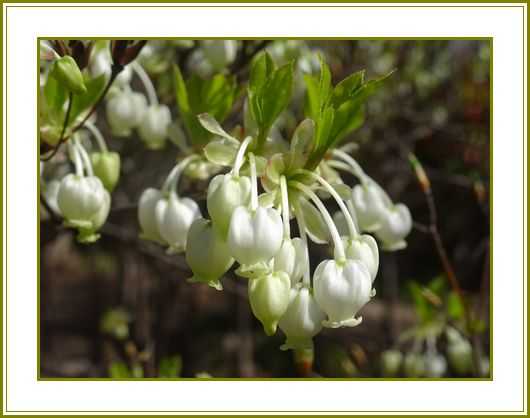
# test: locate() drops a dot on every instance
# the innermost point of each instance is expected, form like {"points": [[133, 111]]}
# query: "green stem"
{"points": [[96, 133], [303, 236]]}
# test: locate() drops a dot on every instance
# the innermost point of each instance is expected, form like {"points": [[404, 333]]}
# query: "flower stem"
{"points": [[335, 236], [285, 208], [146, 81], [240, 156], [356, 168], [254, 182], [85, 158], [173, 177], [329, 188], [74, 155], [96, 133], [303, 236]]}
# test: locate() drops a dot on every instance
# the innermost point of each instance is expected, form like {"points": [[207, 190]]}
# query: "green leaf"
{"points": [[261, 68], [312, 101], [55, 95], [209, 123], [222, 152], [84, 101], [276, 94], [170, 366], [301, 144], [455, 309], [347, 87], [119, 370]]}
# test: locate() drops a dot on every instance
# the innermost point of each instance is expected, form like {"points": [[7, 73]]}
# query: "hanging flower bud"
{"points": [[391, 362], [363, 248], [370, 205], [292, 259], [341, 290], [154, 126], [255, 236], [89, 235], [207, 254], [219, 53], [79, 199], [395, 226], [459, 353], [106, 166], [174, 216], [66, 71], [302, 320], [269, 298], [147, 215], [414, 365], [125, 111], [101, 63], [225, 193]]}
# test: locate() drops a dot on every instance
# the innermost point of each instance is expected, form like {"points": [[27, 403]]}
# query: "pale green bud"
{"points": [[106, 166], [341, 290], [302, 320], [414, 365], [269, 299], [460, 356], [391, 362], [219, 53], [207, 254], [66, 71], [225, 193]]}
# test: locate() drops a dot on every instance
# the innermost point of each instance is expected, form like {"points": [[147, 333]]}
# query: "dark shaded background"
{"points": [[436, 104]]}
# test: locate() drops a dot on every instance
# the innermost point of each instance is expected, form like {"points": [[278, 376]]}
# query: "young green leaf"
{"points": [[84, 101]]}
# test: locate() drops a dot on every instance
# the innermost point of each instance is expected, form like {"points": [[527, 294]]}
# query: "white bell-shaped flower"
{"points": [[225, 193], [292, 259], [269, 299], [51, 192], [153, 128], [414, 365], [342, 289], [370, 205], [89, 235], [101, 63], [363, 248], [435, 365], [391, 362], [219, 53], [80, 199], [147, 214], [174, 216], [255, 236], [207, 254], [395, 227], [125, 110], [302, 320]]}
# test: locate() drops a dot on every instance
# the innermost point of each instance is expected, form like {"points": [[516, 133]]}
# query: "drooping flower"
{"points": [[153, 128], [269, 299], [302, 320], [292, 259], [225, 193], [174, 216], [147, 214], [255, 236], [207, 254], [370, 205], [394, 227], [341, 290], [106, 166], [363, 248], [125, 110]]}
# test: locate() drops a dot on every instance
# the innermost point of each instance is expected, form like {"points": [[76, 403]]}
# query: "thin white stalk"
{"points": [[85, 158], [303, 236], [240, 156], [254, 182], [356, 168], [353, 214], [74, 155], [48, 48], [285, 208], [349, 220], [173, 177], [96, 133], [335, 236], [146, 81]]}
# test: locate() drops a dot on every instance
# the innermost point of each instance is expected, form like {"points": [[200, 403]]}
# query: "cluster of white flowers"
{"points": [[254, 230], [128, 110]]}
